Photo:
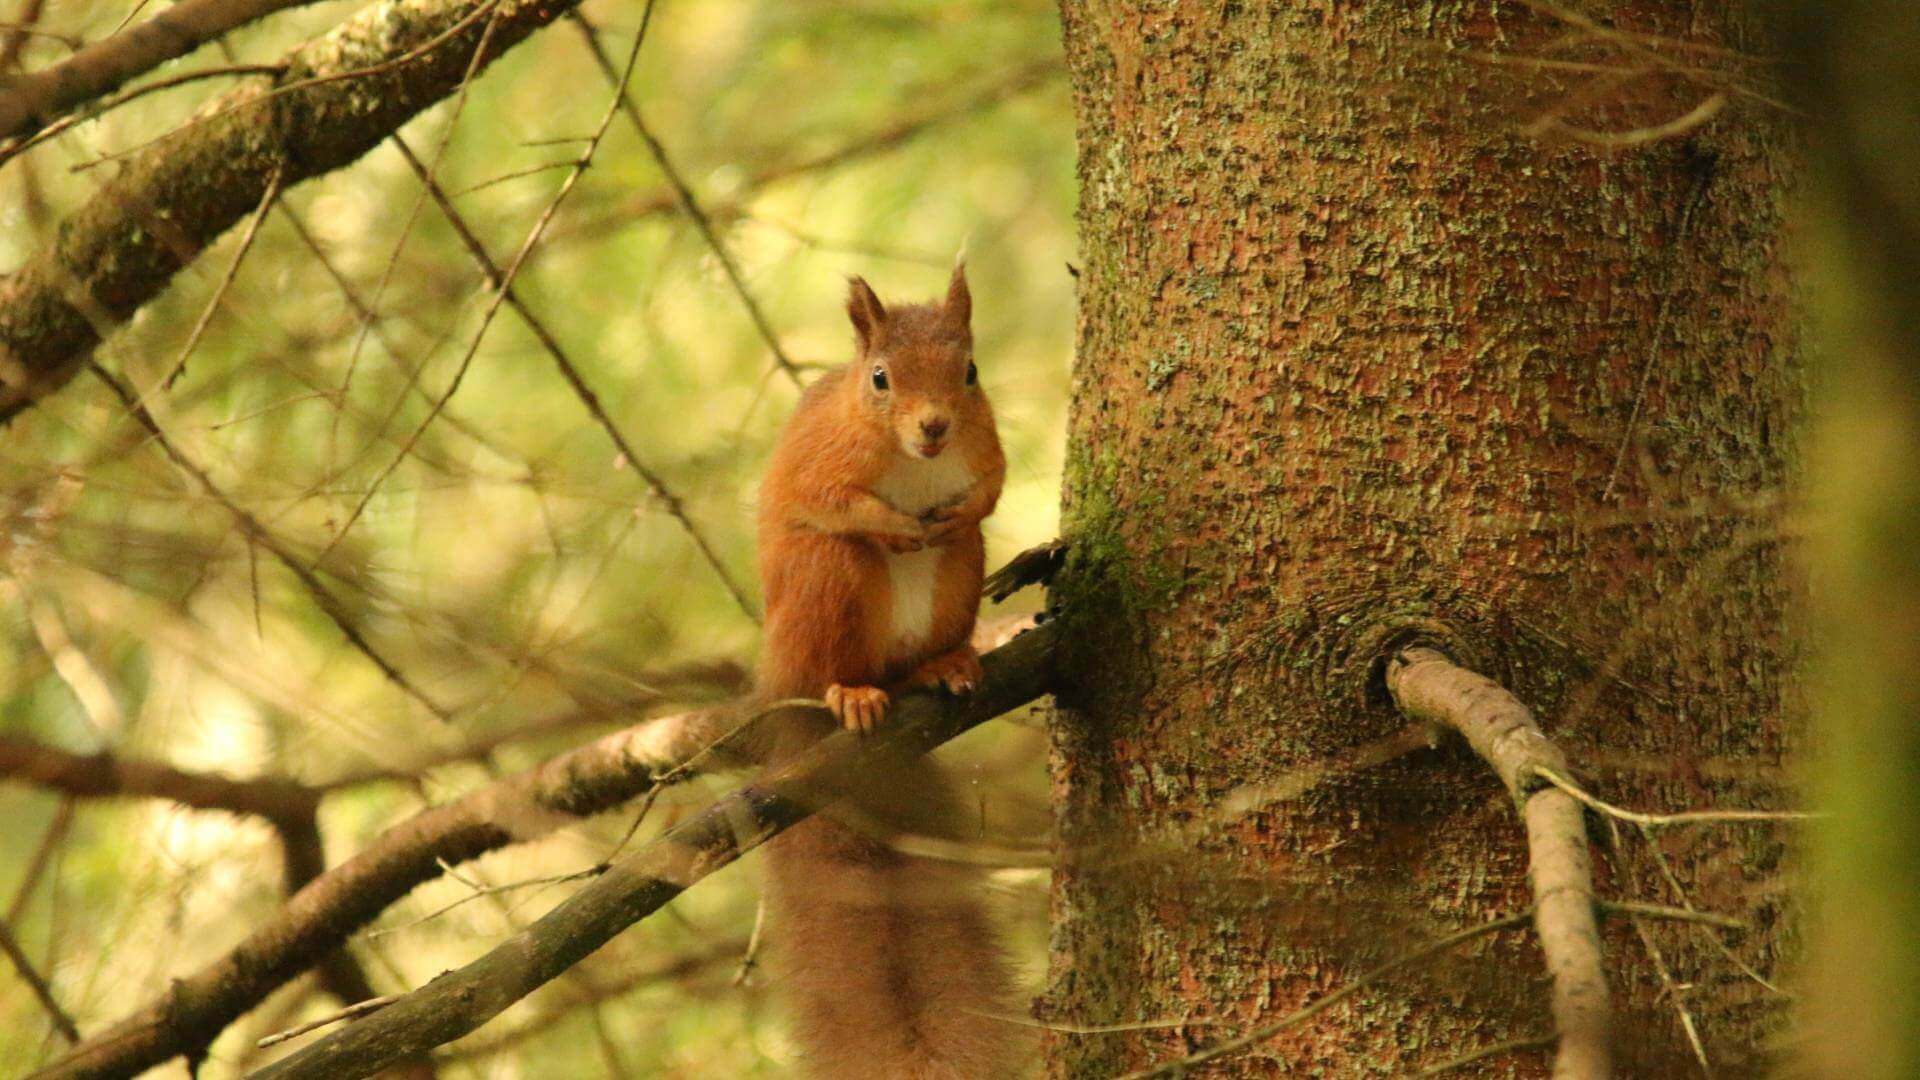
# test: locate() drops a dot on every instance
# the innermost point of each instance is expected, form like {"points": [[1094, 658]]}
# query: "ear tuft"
{"points": [[959, 304], [865, 309]]}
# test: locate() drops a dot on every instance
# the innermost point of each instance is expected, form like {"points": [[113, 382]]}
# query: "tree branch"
{"points": [[634, 887], [340, 95], [29, 100], [1428, 686], [104, 775], [324, 913]]}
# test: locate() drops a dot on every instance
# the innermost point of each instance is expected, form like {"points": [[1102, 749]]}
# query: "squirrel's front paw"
{"points": [[958, 671], [858, 708]]}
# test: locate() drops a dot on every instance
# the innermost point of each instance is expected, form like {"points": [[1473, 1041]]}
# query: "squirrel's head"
{"points": [[914, 370]]}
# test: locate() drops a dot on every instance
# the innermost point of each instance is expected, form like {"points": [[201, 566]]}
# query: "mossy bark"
{"points": [[1359, 365]]}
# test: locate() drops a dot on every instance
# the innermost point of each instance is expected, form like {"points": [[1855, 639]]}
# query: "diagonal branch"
{"points": [[688, 204], [640, 884], [174, 198], [29, 100], [38, 985]]}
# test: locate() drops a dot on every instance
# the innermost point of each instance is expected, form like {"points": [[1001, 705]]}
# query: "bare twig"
{"points": [[1685, 817], [569, 371], [257, 533], [368, 317], [1427, 686], [1542, 1042], [359, 1008], [1675, 994], [688, 204], [1686, 903], [37, 863], [504, 287], [750, 956], [1708, 108], [479, 891], [226, 280], [152, 218], [41, 991], [1019, 81]]}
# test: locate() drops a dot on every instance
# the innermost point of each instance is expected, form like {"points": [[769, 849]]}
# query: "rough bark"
{"points": [[1361, 366], [336, 98]]}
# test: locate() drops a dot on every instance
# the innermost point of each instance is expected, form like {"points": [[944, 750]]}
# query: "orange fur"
{"points": [[889, 959]]}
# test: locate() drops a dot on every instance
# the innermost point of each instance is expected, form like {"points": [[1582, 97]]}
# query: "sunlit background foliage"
{"points": [[502, 555]]}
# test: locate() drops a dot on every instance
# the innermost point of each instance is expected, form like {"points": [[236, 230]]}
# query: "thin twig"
{"points": [[1635, 45], [1538, 1042], [512, 271], [1708, 108], [478, 890], [267, 199], [362, 309], [360, 1008], [1686, 817], [37, 863], [750, 957], [1642, 909], [569, 371], [329, 605], [1680, 893], [688, 203], [368, 316], [1065, 1028], [61, 1021], [1675, 993]]}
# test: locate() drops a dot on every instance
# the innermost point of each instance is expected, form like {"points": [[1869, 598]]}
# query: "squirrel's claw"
{"points": [[958, 671], [858, 708]]}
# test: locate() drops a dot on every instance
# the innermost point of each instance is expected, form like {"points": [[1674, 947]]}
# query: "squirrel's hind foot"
{"points": [[858, 708], [958, 671]]}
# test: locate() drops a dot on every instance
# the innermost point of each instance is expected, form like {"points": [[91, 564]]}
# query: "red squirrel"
{"points": [[871, 562]]}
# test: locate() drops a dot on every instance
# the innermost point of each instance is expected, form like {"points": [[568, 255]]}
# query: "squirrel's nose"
{"points": [[933, 429]]}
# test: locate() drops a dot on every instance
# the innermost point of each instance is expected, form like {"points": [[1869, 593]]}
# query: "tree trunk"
{"points": [[1360, 365]]}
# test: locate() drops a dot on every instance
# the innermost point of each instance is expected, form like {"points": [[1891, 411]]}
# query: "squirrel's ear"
{"points": [[959, 298], [865, 309]]}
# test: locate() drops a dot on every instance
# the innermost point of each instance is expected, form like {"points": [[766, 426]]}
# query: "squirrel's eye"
{"points": [[879, 378], [973, 373]]}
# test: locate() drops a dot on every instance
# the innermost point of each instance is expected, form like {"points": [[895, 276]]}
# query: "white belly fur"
{"points": [[915, 486]]}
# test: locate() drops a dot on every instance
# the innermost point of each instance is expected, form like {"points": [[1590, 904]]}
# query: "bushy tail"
{"points": [[889, 960]]}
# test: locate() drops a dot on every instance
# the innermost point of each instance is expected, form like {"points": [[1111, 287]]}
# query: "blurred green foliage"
{"points": [[508, 561]]}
